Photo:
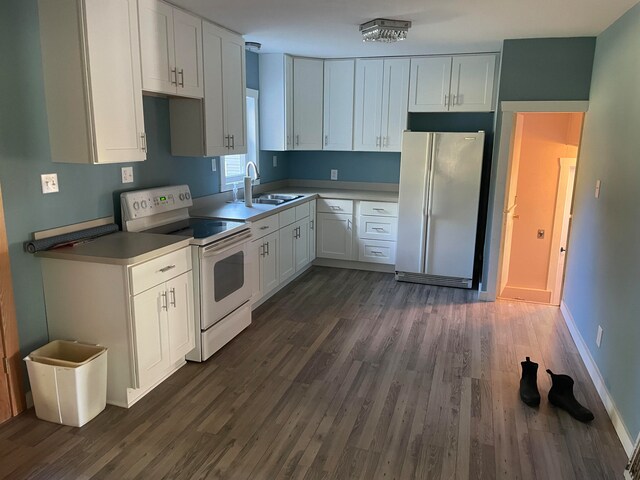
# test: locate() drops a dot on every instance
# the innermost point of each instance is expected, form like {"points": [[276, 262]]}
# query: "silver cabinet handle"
{"points": [[376, 253], [445, 101], [454, 99], [264, 227], [268, 249], [143, 141], [173, 297], [164, 301], [379, 209], [288, 140], [379, 229], [348, 224], [335, 207], [377, 141], [233, 141], [311, 222], [326, 140], [174, 72], [261, 250], [167, 268], [181, 73], [297, 139]]}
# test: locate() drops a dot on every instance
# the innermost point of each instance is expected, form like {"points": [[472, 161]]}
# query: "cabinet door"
{"points": [[312, 230], [256, 254], [288, 101], [270, 276], [113, 52], [157, 47], [213, 94], [180, 316], [395, 92], [307, 103], [367, 112], [429, 84], [187, 30], [338, 104], [286, 252], [335, 236], [302, 243], [472, 81], [151, 338], [235, 106]]}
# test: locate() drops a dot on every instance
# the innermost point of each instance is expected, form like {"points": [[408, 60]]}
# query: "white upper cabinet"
{"points": [[380, 111], [171, 50], [91, 66], [216, 125], [463, 83], [276, 101], [308, 77], [395, 91], [338, 104], [430, 84], [472, 80]]}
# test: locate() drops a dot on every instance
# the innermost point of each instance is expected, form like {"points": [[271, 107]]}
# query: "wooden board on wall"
{"points": [[12, 400]]}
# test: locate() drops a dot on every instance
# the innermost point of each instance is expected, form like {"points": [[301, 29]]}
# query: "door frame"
{"points": [[502, 159], [9, 325]]}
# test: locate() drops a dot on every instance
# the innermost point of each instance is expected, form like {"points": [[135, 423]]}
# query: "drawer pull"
{"points": [[167, 268], [379, 209], [379, 229], [376, 253], [264, 227], [335, 207]]}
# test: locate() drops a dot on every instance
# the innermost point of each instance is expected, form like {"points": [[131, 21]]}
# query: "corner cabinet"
{"points": [[380, 107], [171, 49], [143, 313], [461, 83], [92, 80], [216, 125]]}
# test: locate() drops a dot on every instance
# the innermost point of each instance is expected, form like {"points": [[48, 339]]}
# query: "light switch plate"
{"points": [[599, 336], [597, 192], [334, 174], [127, 174], [275, 160], [214, 164], [49, 182]]}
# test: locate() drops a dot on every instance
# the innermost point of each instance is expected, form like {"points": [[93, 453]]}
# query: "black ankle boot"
{"points": [[561, 395], [529, 383]]}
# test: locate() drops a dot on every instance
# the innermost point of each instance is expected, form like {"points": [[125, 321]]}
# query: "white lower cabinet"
{"points": [[143, 313], [335, 236], [294, 248], [266, 275]]}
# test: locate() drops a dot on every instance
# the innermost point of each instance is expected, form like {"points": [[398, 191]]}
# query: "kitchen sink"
{"points": [[275, 198], [268, 201]]}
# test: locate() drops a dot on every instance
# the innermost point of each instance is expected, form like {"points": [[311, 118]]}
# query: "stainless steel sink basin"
{"points": [[275, 198]]}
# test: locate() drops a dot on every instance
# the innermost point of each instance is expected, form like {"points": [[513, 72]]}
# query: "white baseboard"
{"points": [[627, 475], [598, 381]]}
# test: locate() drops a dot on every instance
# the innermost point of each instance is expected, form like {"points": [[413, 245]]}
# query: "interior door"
{"points": [[367, 113], [235, 96], [187, 30], [395, 91], [452, 204], [180, 316]]}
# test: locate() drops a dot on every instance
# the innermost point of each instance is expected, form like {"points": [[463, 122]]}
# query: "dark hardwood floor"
{"points": [[347, 374]]}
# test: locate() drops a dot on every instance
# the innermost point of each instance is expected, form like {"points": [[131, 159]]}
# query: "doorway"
{"points": [[537, 214]]}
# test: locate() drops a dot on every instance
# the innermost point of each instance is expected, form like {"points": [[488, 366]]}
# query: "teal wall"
{"points": [[603, 265], [539, 69], [375, 167]]}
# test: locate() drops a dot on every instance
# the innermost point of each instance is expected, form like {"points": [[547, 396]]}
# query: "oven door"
{"points": [[224, 277]]}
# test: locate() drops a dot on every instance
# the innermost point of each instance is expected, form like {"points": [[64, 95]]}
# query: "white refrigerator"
{"points": [[438, 207]]}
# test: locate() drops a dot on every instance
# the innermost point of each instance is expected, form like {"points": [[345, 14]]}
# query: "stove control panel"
{"points": [[144, 203]]}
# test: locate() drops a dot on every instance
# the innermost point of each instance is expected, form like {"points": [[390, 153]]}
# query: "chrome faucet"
{"points": [[248, 184]]}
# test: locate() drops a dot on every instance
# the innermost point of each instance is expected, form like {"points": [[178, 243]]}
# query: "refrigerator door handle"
{"points": [[429, 202]]}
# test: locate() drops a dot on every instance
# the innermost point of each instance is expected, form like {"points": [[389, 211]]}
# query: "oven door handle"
{"points": [[226, 244]]}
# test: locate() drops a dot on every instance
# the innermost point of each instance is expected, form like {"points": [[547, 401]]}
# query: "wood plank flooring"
{"points": [[347, 375]]}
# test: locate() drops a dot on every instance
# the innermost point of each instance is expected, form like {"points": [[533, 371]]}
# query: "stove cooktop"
{"points": [[203, 230]]}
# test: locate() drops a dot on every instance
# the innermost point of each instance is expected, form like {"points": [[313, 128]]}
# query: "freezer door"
{"points": [[414, 163], [452, 204]]}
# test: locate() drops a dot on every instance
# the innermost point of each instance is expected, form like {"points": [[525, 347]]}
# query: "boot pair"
{"points": [[560, 395]]}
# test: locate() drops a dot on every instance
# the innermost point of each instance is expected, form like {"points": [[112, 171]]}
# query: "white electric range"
{"points": [[220, 255]]}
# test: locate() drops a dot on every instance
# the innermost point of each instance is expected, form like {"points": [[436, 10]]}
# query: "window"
{"points": [[233, 167]]}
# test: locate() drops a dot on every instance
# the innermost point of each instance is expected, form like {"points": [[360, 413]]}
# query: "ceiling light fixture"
{"points": [[252, 46], [384, 30]]}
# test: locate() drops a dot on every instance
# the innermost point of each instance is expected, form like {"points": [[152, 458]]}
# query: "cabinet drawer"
{"points": [[159, 270], [287, 217], [332, 205], [265, 226], [378, 228], [302, 211], [381, 209], [377, 251]]}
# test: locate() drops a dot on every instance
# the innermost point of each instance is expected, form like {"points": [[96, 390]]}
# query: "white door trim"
{"points": [[502, 156]]}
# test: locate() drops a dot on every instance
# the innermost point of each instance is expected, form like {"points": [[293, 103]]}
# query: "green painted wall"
{"points": [[603, 265]]}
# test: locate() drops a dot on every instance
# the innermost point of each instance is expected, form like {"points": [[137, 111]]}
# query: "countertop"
{"points": [[120, 248], [238, 211]]}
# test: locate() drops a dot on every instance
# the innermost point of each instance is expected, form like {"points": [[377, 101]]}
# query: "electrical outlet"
{"points": [[214, 164], [599, 336], [49, 182], [597, 192], [127, 174], [275, 160], [334, 174]]}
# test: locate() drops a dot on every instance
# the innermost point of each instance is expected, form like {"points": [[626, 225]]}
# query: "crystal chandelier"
{"points": [[383, 30]]}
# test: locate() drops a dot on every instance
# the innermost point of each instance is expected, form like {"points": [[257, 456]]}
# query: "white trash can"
{"points": [[68, 381]]}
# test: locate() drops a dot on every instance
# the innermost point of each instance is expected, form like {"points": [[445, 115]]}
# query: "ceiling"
{"points": [[329, 28]]}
